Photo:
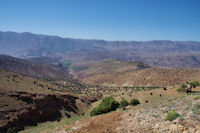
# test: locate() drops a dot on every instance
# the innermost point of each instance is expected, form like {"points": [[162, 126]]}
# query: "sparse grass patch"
{"points": [[196, 108], [172, 115], [180, 90], [49, 127], [197, 97], [68, 129], [155, 116]]}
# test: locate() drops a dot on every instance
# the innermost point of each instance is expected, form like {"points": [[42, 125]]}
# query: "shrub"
{"points": [[183, 86], [196, 108], [68, 115], [108, 104], [134, 102], [10, 130], [68, 129], [146, 101], [180, 90], [172, 115], [195, 84], [164, 88], [123, 103]]}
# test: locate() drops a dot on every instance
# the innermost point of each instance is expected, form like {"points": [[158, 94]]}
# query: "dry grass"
{"points": [[145, 77]]}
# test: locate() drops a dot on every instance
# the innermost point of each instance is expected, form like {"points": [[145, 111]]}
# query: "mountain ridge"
{"points": [[161, 53]]}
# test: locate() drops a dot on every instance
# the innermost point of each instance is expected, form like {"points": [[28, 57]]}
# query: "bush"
{"points": [[183, 86], [172, 115], [134, 102], [108, 104], [196, 108], [195, 84], [164, 88], [123, 103], [68, 129]]}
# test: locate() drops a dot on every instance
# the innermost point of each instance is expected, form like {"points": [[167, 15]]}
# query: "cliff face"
{"points": [[29, 109]]}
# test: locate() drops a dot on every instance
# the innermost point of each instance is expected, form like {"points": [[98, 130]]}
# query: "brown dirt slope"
{"points": [[107, 123], [33, 68], [25, 101], [122, 73]]}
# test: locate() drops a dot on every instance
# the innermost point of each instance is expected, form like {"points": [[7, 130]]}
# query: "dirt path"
{"points": [[107, 123]]}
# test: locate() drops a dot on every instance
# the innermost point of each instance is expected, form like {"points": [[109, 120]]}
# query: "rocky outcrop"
{"points": [[29, 109]]}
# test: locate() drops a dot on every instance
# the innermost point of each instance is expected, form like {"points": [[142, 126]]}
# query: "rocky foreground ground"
{"points": [[146, 120]]}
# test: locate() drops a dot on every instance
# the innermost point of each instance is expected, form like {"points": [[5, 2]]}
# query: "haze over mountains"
{"points": [[179, 54]]}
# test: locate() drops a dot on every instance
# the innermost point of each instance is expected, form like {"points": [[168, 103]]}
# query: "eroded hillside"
{"points": [[26, 101]]}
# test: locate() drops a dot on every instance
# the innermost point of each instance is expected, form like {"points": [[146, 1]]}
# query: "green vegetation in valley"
{"points": [[67, 63]]}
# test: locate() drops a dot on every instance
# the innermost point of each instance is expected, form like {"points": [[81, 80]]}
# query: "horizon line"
{"points": [[98, 39]]}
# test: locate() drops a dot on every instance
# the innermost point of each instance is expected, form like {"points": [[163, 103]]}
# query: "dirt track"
{"points": [[100, 124]]}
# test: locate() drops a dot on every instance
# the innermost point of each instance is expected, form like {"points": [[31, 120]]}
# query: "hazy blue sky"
{"points": [[104, 19]]}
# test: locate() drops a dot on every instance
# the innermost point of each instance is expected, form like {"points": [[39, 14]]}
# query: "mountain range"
{"points": [[162, 53]]}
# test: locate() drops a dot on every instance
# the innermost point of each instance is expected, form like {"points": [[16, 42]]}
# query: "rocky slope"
{"points": [[153, 119], [148, 117], [20, 109], [26, 101]]}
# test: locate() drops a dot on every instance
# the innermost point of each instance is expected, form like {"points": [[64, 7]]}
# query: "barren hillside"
{"points": [[120, 73], [26, 101]]}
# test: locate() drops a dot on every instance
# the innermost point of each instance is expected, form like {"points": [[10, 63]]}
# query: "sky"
{"points": [[138, 20]]}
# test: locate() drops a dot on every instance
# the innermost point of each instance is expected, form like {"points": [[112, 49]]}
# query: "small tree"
{"points": [[123, 103], [134, 102]]}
